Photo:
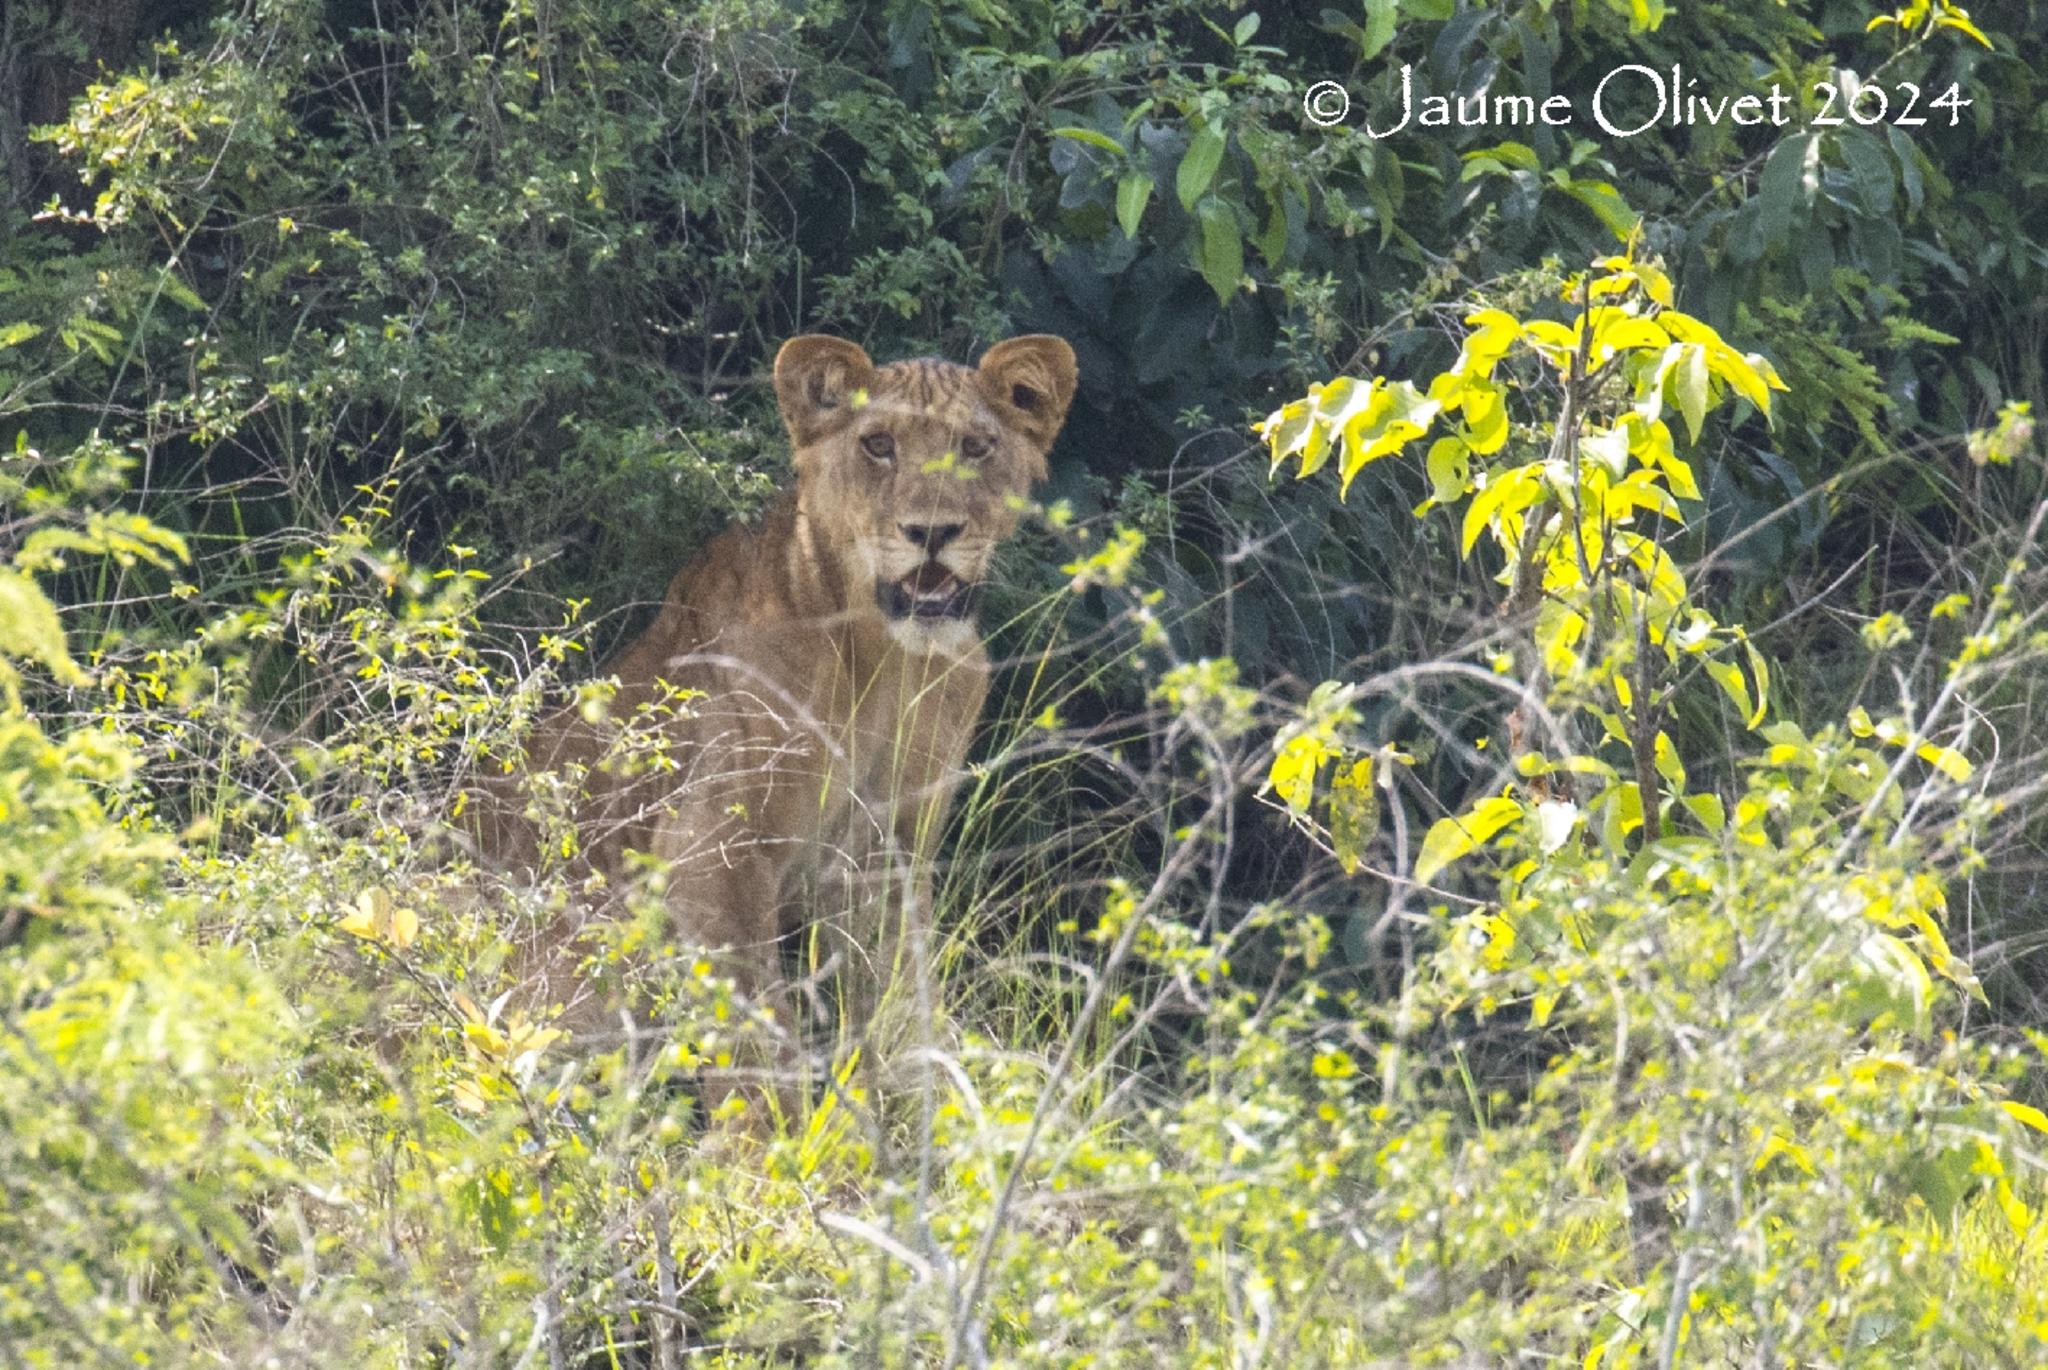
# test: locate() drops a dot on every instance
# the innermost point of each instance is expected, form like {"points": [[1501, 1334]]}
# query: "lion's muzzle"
{"points": [[931, 592]]}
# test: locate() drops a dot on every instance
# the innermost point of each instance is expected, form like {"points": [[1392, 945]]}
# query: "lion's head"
{"points": [[914, 471]]}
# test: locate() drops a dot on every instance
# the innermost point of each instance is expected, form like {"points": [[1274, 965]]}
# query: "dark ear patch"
{"points": [[816, 379], [1030, 381]]}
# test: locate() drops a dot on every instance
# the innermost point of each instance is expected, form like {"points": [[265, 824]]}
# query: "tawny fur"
{"points": [[807, 779]]}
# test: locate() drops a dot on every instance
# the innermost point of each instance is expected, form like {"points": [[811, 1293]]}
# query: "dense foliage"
{"points": [[1506, 833]]}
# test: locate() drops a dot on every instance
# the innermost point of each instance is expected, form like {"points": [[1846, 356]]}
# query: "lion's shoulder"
{"points": [[754, 572]]}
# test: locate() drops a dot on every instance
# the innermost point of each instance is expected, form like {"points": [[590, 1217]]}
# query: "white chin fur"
{"points": [[953, 637]]}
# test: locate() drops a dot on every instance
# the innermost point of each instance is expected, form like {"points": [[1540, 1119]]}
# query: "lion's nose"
{"points": [[933, 537]]}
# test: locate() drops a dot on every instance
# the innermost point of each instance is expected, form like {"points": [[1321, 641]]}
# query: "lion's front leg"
{"points": [[853, 945], [728, 904], [874, 928]]}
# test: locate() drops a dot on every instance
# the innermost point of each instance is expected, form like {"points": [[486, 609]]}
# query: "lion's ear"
{"points": [[1031, 382], [815, 381]]}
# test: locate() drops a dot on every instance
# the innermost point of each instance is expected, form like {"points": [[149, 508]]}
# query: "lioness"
{"points": [[837, 669]]}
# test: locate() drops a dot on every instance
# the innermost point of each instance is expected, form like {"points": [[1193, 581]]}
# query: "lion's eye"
{"points": [[973, 448], [880, 446]]}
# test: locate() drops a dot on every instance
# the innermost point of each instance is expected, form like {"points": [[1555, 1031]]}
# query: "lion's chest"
{"points": [[898, 742], [813, 764], [881, 769]]}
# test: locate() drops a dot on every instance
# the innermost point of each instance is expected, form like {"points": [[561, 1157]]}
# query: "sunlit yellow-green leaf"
{"points": [[1760, 672], [1617, 330], [2026, 1113], [1451, 838], [1354, 813], [1686, 382], [1494, 331], [1947, 760], [30, 629], [1504, 496], [1555, 340], [1295, 763], [1393, 416], [1449, 466], [1729, 677]]}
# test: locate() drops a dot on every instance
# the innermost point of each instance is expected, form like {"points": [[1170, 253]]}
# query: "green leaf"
{"points": [[181, 293], [1760, 672], [1909, 165], [1607, 205], [1743, 375], [1449, 464], [16, 333], [1486, 417], [1729, 677], [1379, 28], [1246, 27], [1090, 137], [1652, 447], [1688, 374], [1221, 248], [1899, 968], [1509, 154], [1790, 179], [1451, 838], [1133, 193], [1272, 239], [1870, 166], [1494, 331], [1392, 417], [1709, 810], [1198, 167]]}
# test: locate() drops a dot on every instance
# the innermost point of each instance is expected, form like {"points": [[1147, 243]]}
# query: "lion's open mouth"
{"points": [[929, 592]]}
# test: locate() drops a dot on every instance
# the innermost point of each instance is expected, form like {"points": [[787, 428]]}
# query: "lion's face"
{"points": [[915, 471]]}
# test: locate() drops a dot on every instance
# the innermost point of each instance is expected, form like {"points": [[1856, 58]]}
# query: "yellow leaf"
{"points": [[1500, 940], [2017, 1215], [1550, 335], [2026, 1113], [484, 1038], [1504, 496], [1617, 330], [1947, 760], [1333, 1065], [1293, 774], [1494, 332], [405, 927], [1779, 1145], [1450, 838]]}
